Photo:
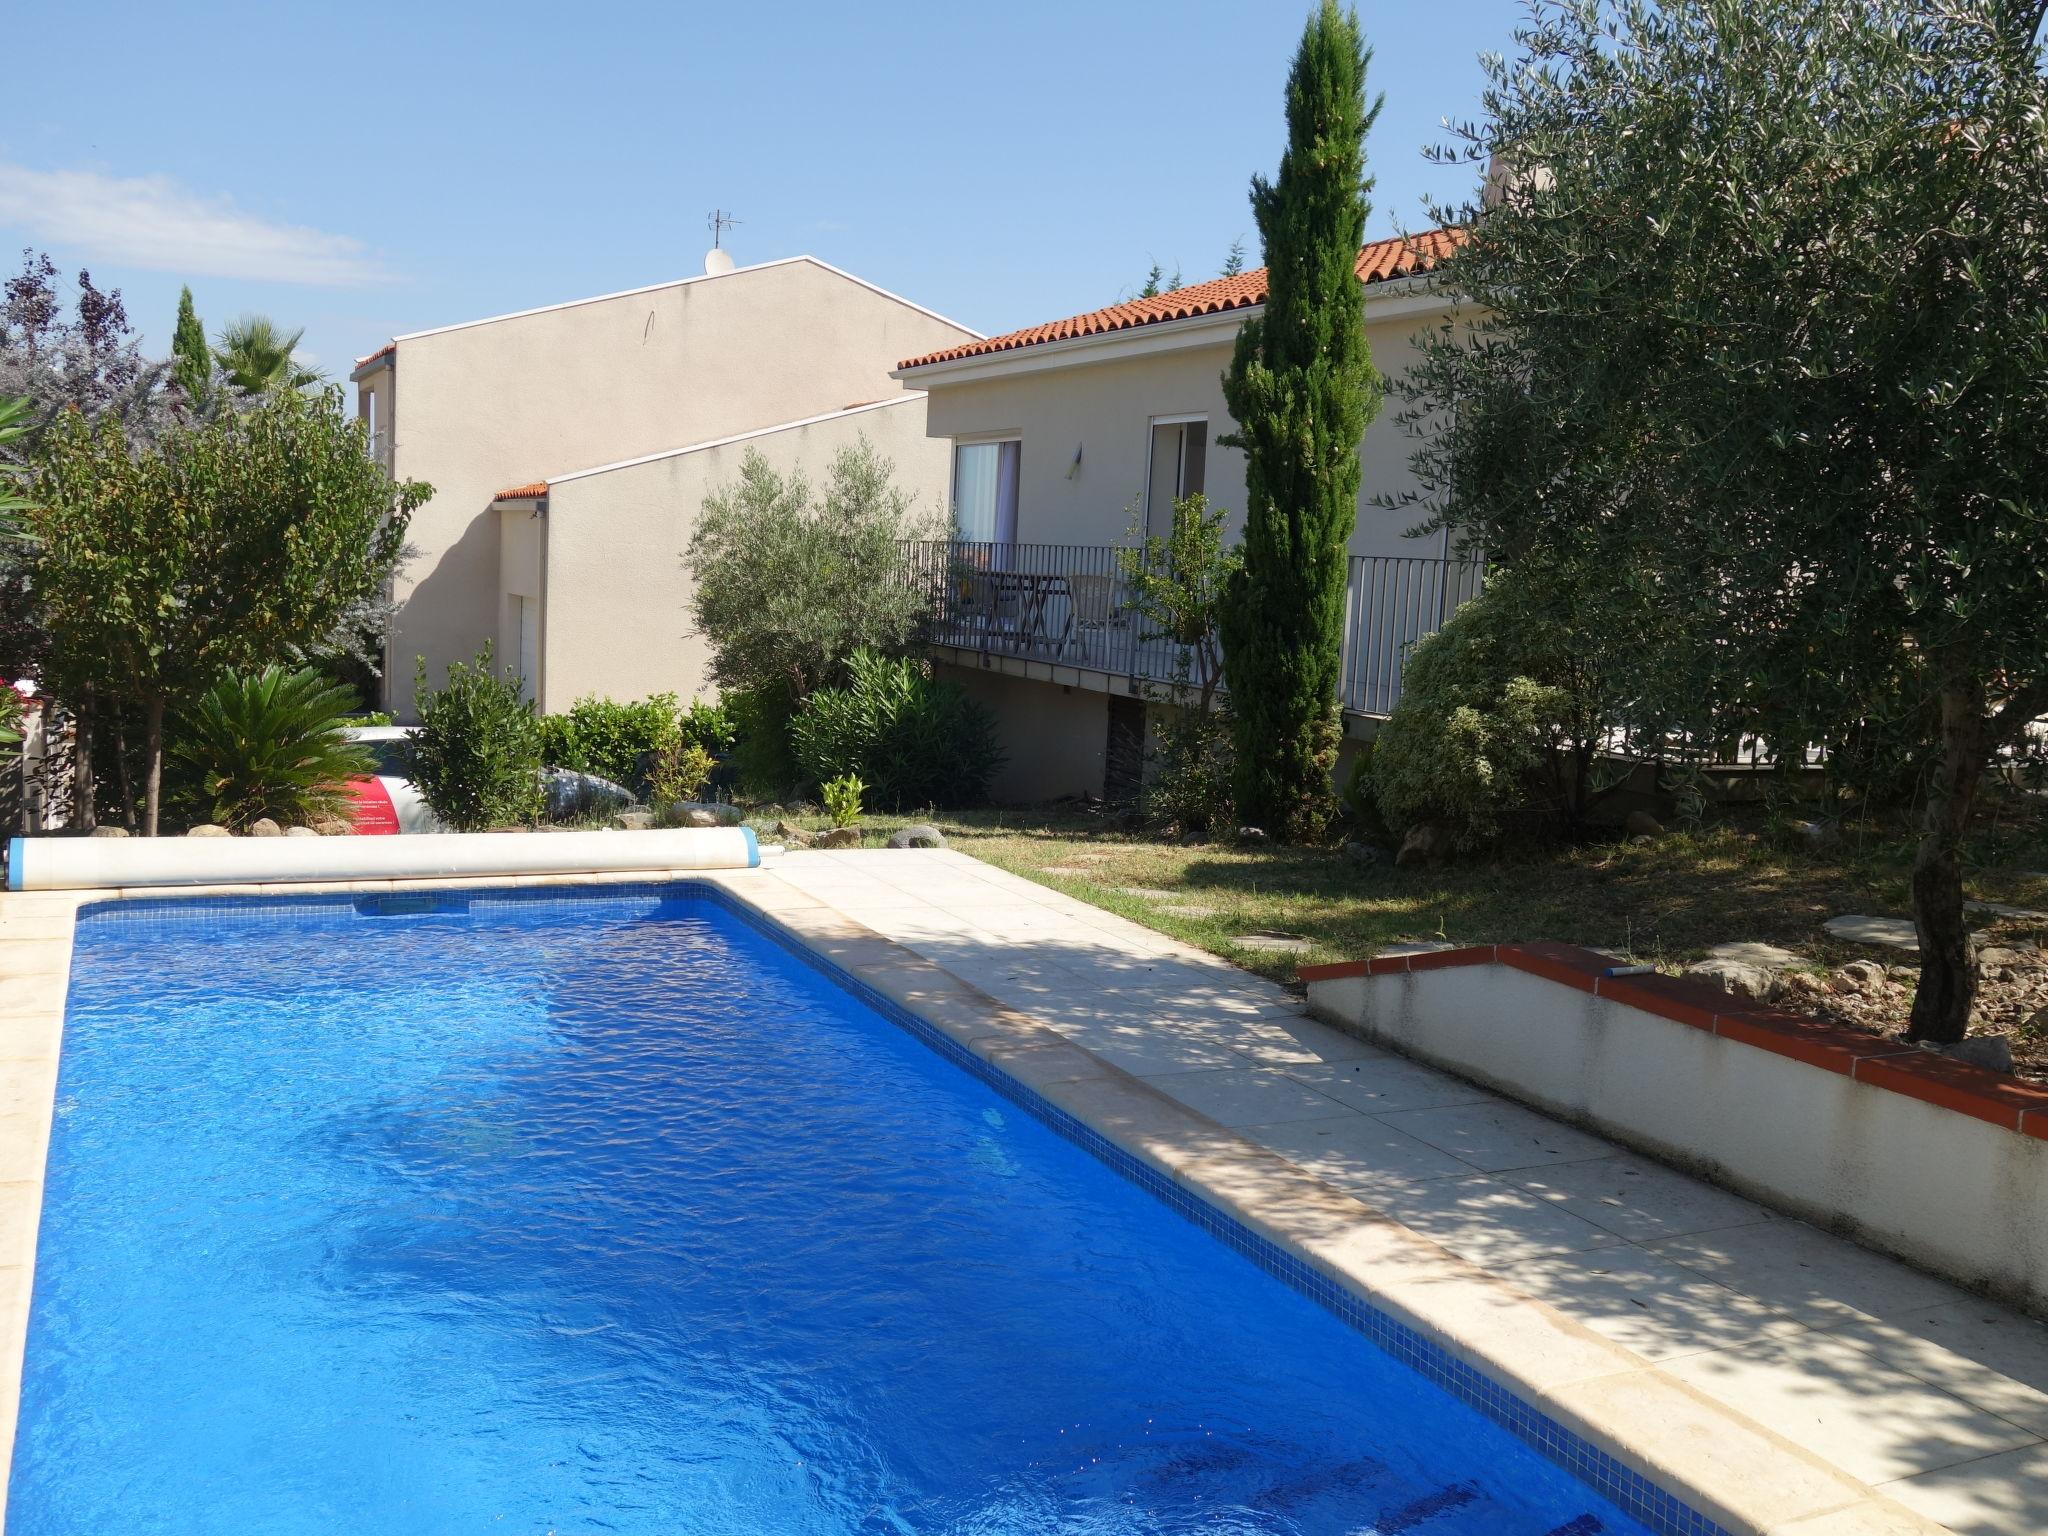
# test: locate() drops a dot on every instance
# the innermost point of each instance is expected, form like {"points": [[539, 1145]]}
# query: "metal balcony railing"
{"points": [[1070, 604]]}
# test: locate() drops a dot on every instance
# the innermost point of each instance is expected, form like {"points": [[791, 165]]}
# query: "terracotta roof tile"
{"points": [[386, 350], [523, 492], [1377, 263]]}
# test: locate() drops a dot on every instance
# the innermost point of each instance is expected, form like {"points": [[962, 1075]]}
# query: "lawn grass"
{"points": [[1662, 902]]}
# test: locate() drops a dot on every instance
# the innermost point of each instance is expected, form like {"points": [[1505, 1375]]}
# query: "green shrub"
{"points": [[1188, 788], [710, 726], [612, 740], [1466, 743], [274, 743], [842, 799], [476, 755], [762, 754], [916, 741], [679, 772]]}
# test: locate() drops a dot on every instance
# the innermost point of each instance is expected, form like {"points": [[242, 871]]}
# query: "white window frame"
{"points": [[1152, 425]]}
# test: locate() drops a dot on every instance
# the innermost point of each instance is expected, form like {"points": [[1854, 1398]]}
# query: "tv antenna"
{"points": [[718, 222]]}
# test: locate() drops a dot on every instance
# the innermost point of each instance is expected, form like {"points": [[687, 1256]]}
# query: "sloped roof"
{"points": [[531, 492], [1378, 262]]}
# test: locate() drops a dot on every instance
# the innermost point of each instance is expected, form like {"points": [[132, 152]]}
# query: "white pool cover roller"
{"points": [[103, 863]]}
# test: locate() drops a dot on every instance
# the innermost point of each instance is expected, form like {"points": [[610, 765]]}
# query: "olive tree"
{"points": [[1760, 303]]}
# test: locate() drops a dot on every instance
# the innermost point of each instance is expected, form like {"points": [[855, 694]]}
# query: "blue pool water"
{"points": [[610, 1214]]}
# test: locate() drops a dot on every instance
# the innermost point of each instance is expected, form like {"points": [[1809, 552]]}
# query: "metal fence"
{"points": [[1070, 603]]}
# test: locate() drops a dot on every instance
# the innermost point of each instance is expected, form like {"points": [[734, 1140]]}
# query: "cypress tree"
{"points": [[192, 364], [1302, 389]]}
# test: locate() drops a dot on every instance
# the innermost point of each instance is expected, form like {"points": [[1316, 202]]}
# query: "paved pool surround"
{"points": [[1914, 1152], [999, 972]]}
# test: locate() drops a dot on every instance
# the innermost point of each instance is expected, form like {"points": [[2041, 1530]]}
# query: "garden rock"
{"points": [[1815, 834], [633, 821], [1364, 855], [332, 826], [208, 829], [1771, 957], [1994, 963], [706, 813], [263, 826], [109, 831], [1757, 983], [794, 837], [841, 837], [1993, 1052], [1885, 932], [300, 832], [1251, 834], [1642, 824], [1422, 845], [1273, 941], [1862, 975], [919, 836]]}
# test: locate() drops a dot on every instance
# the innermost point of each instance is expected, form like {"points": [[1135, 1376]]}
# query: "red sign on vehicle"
{"points": [[373, 814]]}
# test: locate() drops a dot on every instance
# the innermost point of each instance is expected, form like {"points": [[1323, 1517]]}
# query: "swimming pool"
{"points": [[609, 1213]]}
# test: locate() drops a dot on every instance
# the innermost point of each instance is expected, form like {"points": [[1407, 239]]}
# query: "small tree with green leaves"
{"points": [[1762, 298], [232, 545], [1302, 389], [790, 583], [476, 753], [1174, 586]]}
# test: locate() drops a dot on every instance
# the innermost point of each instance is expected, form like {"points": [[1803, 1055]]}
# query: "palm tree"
{"points": [[274, 743], [256, 355]]}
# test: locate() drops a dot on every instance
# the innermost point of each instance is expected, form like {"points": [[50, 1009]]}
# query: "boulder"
{"points": [[1251, 834], [333, 826], [1815, 834], [1993, 1052], [1861, 975], [840, 837], [1771, 957], [796, 837], [263, 826], [300, 832], [208, 829], [633, 821], [705, 813], [1995, 963], [1740, 978], [919, 836], [1642, 824], [109, 831], [1364, 855], [1424, 844]]}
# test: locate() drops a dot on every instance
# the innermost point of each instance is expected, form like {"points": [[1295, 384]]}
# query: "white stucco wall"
{"points": [[1105, 406], [1946, 1190], [617, 611], [531, 397]]}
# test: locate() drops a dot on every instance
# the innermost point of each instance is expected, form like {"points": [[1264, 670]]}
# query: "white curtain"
{"points": [[985, 492]]}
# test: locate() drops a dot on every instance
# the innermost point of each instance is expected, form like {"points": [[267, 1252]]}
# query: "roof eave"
{"points": [[1385, 298]]}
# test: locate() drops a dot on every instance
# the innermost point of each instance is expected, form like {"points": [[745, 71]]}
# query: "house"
{"points": [[570, 448], [1069, 438]]}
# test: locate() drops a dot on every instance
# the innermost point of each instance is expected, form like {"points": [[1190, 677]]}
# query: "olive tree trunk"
{"points": [[1948, 976]]}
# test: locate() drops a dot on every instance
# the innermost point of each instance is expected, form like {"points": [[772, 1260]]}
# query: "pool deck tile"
{"points": [[1675, 1326]]}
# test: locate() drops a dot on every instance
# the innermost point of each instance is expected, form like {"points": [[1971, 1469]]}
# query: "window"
{"points": [[985, 491], [1180, 451]]}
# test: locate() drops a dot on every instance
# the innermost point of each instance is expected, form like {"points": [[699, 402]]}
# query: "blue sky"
{"points": [[364, 171]]}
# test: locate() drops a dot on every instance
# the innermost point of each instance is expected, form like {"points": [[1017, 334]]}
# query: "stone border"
{"points": [[1733, 1471], [1943, 1081]]}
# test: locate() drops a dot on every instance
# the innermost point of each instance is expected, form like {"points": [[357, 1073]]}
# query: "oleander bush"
{"points": [[915, 741]]}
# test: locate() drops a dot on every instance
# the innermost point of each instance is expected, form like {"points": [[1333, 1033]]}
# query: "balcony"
{"points": [[1068, 606]]}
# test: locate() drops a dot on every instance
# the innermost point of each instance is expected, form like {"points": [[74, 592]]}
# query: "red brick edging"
{"points": [[1925, 1075]]}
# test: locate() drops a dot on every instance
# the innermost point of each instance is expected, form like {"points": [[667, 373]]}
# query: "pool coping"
{"points": [[1470, 1331]]}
